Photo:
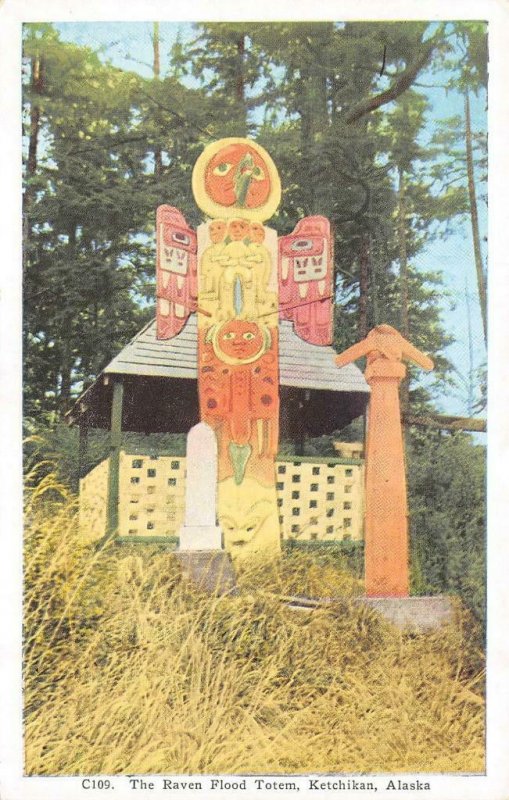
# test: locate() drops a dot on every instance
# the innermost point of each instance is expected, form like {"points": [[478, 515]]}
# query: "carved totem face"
{"points": [[245, 514], [239, 340], [238, 229], [237, 175], [217, 230], [257, 232]]}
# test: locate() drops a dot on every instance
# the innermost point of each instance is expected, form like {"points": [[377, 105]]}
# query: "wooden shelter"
{"points": [[151, 387]]}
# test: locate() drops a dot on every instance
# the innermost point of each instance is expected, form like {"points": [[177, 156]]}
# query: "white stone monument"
{"points": [[200, 531]]}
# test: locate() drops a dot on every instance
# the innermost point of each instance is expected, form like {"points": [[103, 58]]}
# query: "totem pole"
{"points": [[239, 279], [386, 525]]}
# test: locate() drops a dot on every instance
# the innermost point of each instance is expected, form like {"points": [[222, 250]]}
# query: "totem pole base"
{"points": [[211, 571], [413, 614]]}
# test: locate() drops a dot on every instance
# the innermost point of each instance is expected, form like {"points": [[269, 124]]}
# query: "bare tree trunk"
{"points": [[400, 85], [64, 401], [474, 218], [239, 79], [158, 156], [363, 288], [37, 87], [470, 379], [66, 344], [403, 279]]}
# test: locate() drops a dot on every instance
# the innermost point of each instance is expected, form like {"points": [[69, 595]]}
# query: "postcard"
{"points": [[254, 265]]}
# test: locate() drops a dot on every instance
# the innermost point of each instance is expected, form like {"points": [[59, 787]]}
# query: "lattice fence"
{"points": [[318, 499]]}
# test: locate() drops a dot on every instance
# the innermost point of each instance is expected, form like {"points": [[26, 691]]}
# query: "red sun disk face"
{"points": [[240, 339], [222, 171]]}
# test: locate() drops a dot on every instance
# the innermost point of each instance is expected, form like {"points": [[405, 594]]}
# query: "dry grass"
{"points": [[127, 670]]}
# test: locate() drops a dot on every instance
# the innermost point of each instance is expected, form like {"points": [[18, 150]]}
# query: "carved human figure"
{"points": [[211, 258], [259, 256], [237, 284]]}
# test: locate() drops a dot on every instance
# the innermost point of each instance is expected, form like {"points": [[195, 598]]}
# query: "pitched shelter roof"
{"points": [[309, 378], [301, 364]]}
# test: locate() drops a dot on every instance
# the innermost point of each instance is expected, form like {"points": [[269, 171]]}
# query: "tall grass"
{"points": [[130, 670]]}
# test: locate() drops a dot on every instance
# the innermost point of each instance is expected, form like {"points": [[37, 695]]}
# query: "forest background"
{"points": [[348, 111]]}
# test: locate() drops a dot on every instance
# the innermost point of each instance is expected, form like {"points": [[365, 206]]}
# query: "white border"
{"points": [[494, 786]]}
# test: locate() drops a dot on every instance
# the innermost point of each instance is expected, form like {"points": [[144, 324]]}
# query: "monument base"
{"points": [[199, 537], [413, 614], [211, 571]]}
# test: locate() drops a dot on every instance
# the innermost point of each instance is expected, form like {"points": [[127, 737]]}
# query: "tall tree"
{"points": [[474, 217], [468, 75], [158, 158], [78, 274], [117, 145]]}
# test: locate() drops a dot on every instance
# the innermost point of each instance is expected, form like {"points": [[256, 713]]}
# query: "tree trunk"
{"points": [[239, 78], [66, 361], [444, 423], [238, 86], [158, 156], [403, 279], [400, 85], [64, 401], [474, 218], [373, 280], [37, 87], [363, 288], [312, 107]]}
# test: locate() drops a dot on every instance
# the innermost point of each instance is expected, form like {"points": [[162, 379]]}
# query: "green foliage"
{"points": [[345, 555], [446, 479], [92, 190]]}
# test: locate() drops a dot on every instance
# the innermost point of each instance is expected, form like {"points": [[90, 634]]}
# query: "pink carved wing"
{"points": [[176, 272], [306, 266]]}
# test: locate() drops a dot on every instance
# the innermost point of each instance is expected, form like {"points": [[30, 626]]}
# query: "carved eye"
{"points": [[230, 335], [228, 523], [302, 244], [222, 169], [253, 524], [248, 335], [258, 174]]}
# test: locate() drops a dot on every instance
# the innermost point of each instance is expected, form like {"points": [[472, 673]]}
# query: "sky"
{"points": [[128, 45]]}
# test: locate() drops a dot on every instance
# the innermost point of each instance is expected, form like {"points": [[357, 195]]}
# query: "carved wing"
{"points": [[176, 271], [306, 266]]}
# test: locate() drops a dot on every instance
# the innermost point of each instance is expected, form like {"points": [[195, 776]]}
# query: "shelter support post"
{"points": [[114, 459], [83, 450]]}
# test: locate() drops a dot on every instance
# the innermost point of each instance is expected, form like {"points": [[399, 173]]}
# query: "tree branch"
{"points": [[400, 85]]}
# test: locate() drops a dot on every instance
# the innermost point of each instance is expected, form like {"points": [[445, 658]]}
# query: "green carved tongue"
{"points": [[239, 456], [243, 179]]}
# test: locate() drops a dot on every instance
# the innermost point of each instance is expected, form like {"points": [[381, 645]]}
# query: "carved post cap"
{"points": [[384, 345]]}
